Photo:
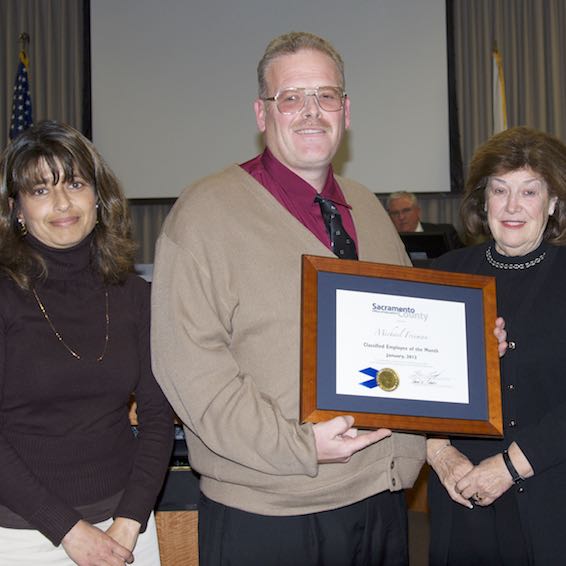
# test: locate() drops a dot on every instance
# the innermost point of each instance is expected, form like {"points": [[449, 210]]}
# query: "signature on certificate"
{"points": [[421, 377]]}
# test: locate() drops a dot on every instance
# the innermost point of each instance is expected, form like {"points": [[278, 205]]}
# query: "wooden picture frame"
{"points": [[431, 351]]}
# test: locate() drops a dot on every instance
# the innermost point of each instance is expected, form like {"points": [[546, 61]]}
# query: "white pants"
{"points": [[25, 547]]}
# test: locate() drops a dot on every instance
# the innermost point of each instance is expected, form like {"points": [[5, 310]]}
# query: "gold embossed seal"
{"points": [[388, 379]]}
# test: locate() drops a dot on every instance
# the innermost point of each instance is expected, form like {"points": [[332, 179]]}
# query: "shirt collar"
{"points": [[296, 187]]}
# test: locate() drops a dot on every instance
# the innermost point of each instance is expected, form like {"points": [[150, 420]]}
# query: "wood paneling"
{"points": [[178, 537]]}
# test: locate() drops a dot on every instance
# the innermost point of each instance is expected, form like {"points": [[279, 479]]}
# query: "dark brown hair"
{"points": [[65, 152], [510, 150]]}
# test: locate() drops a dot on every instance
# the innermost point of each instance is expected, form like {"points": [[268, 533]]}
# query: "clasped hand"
{"points": [[463, 481], [87, 545], [485, 482]]}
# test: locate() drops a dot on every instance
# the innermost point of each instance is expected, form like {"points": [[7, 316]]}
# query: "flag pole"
{"points": [[499, 99], [24, 40]]}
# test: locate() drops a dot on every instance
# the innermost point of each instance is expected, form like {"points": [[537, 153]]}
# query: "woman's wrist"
{"points": [[435, 448], [519, 461], [516, 477], [128, 524]]}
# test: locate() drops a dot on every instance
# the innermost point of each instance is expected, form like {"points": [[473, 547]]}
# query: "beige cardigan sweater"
{"points": [[225, 345]]}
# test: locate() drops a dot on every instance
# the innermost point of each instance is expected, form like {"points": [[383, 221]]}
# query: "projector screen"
{"points": [[173, 84]]}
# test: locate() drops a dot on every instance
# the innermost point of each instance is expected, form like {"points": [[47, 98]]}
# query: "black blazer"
{"points": [[533, 388]]}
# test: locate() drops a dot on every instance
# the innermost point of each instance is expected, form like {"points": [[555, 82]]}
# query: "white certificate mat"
{"points": [[422, 340]]}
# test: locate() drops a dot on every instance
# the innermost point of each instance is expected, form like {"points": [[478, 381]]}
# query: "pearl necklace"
{"points": [[60, 338], [524, 265]]}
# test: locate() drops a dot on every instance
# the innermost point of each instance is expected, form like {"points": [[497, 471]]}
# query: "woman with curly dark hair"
{"points": [[501, 502], [76, 485]]}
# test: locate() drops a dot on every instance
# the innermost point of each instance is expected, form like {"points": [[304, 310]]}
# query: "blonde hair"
{"points": [[294, 42]]}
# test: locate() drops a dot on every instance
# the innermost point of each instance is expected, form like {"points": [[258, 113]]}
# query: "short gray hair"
{"points": [[401, 194]]}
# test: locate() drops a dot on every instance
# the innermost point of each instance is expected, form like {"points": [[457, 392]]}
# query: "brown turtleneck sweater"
{"points": [[67, 450]]}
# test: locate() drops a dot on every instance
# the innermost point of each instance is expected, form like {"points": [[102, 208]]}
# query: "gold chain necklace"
{"points": [[59, 337]]}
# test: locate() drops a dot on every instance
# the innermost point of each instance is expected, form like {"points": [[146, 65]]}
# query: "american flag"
{"points": [[21, 105]]}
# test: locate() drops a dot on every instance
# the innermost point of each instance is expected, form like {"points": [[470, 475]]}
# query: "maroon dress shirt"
{"points": [[297, 196]]}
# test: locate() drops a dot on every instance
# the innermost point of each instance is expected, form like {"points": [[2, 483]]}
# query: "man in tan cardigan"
{"points": [[226, 338]]}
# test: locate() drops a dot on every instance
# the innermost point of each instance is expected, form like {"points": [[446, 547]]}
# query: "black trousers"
{"points": [[372, 532]]}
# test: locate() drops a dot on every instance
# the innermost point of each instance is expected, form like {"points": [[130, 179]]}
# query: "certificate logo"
{"points": [[386, 379], [400, 312]]}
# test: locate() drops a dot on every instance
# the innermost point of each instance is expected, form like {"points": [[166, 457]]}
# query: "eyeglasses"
{"points": [[292, 100]]}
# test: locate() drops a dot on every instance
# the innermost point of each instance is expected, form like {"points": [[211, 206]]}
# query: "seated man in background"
{"points": [[405, 213]]}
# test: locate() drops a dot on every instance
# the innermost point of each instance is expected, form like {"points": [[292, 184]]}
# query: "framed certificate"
{"points": [[399, 347]]}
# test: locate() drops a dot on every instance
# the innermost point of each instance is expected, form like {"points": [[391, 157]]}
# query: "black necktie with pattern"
{"points": [[342, 245]]}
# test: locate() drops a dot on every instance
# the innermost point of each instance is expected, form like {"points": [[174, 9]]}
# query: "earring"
{"points": [[23, 227]]}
